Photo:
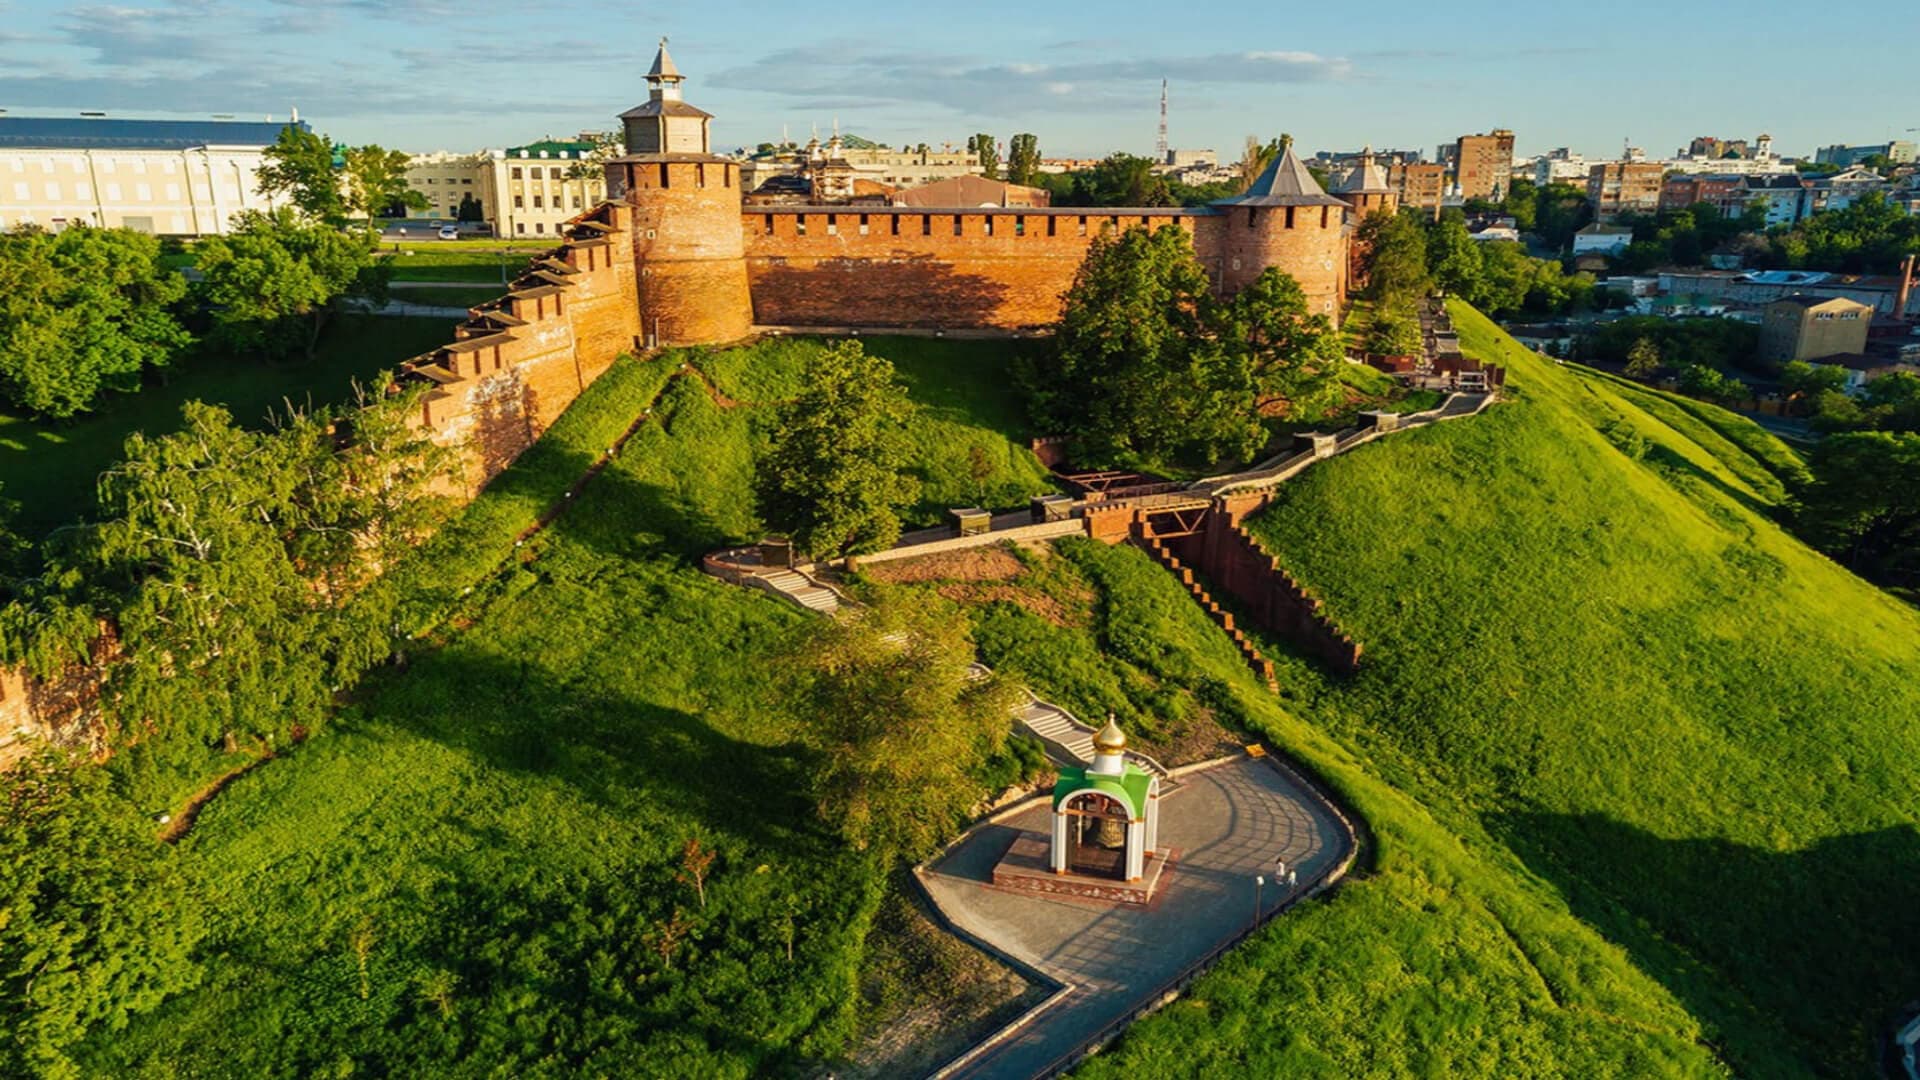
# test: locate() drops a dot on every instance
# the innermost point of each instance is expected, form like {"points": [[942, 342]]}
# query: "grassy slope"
{"points": [[1613, 666], [49, 467], [510, 808]]}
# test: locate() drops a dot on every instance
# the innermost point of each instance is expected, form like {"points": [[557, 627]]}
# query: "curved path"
{"points": [[1226, 823]]}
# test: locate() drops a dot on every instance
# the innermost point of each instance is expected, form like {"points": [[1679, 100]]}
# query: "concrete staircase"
{"points": [[801, 589], [1068, 741], [1262, 667]]}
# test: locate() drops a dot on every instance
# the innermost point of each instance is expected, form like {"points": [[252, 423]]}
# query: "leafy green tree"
{"points": [[81, 313], [1809, 380], [1454, 259], [299, 165], [1138, 370], [887, 705], [987, 152], [1393, 332], [227, 560], [377, 184], [1023, 158], [470, 209], [1290, 354], [1560, 210], [836, 477], [1893, 400], [1522, 204], [604, 146], [1862, 504], [1397, 275], [98, 921], [1643, 360], [1711, 384], [275, 281]]}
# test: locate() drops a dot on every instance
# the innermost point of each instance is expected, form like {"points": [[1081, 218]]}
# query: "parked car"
{"points": [[449, 232]]}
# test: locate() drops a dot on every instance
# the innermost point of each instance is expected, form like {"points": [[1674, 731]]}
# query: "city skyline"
{"points": [[404, 76]]}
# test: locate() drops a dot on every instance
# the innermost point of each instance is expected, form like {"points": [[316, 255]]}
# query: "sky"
{"points": [[460, 75]]}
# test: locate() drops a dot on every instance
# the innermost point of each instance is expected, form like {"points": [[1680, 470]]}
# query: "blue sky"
{"points": [[462, 74]]}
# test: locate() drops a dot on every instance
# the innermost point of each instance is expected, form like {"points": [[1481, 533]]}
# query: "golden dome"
{"points": [[1111, 739]]}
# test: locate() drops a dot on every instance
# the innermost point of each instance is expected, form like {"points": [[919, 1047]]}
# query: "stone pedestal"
{"points": [[1024, 869]]}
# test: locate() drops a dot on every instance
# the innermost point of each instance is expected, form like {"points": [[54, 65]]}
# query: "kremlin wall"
{"points": [[677, 257]]}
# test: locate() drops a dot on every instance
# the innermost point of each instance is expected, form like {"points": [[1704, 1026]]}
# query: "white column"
{"points": [[1136, 850], [1062, 823], [1153, 821]]}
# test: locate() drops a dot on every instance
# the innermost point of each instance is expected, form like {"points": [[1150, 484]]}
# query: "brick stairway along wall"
{"points": [[1234, 564], [517, 364]]}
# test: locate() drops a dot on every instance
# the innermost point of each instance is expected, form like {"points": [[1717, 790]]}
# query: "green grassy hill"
{"points": [[473, 870], [1593, 658], [1637, 767]]}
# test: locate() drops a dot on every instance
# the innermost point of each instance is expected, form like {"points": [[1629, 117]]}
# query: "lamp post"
{"points": [[1259, 883]]}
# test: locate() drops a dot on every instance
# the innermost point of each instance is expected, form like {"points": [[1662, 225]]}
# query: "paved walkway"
{"points": [[1227, 823]]}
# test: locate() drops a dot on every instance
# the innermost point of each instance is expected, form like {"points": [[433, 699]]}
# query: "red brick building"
{"points": [[1726, 194]]}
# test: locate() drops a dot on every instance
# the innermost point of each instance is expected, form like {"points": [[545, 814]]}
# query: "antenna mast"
{"points": [[1160, 144]]}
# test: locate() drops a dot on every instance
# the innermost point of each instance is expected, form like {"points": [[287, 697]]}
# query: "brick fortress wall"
{"points": [[1001, 269], [517, 362]]}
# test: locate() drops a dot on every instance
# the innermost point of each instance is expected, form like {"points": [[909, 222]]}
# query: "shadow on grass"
{"points": [[1794, 962]]}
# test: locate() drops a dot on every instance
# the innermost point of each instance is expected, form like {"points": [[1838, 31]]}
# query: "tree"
{"points": [[886, 703], [1701, 381], [83, 312], [1862, 503], [836, 477], [99, 922], [1397, 275], [1454, 259], [377, 183], [1023, 158], [1125, 180], [1802, 379], [1643, 360], [275, 281], [299, 165], [987, 152], [470, 209], [695, 863], [226, 558], [1290, 354], [1139, 370]]}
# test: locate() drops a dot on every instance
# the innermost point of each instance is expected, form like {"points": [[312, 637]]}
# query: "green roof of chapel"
{"points": [[1129, 789]]}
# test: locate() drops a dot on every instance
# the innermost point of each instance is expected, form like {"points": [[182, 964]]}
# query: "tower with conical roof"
{"points": [[1364, 187], [665, 123], [689, 254], [1286, 220]]}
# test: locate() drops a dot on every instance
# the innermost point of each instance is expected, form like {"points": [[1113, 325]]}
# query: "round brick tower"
{"points": [[1286, 221], [689, 256]]}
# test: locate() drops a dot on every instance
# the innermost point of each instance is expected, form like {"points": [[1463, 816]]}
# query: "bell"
{"points": [[1112, 834]]}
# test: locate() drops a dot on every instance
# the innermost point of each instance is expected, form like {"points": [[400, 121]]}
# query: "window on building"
{"points": [[833, 225], [576, 202], [520, 227], [539, 226], [519, 202], [768, 223], [800, 224], [538, 202], [468, 181], [1050, 227], [515, 172], [988, 220], [863, 224], [956, 225], [1020, 225]]}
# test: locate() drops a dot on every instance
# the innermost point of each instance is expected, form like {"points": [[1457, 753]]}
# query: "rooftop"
{"points": [[102, 133], [1285, 182]]}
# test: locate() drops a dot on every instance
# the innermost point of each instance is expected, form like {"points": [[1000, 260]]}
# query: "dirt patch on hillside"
{"points": [[994, 563]]}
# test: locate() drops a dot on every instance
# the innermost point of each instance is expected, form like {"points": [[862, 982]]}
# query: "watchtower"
{"points": [[690, 259], [1286, 220]]}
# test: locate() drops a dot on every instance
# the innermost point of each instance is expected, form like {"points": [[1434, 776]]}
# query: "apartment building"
{"points": [[1422, 185], [1624, 187], [1483, 164], [167, 177]]}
